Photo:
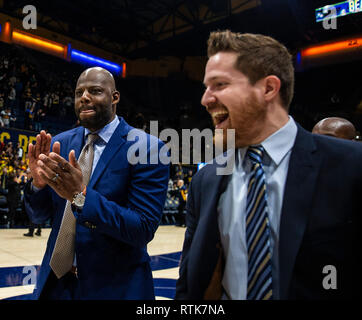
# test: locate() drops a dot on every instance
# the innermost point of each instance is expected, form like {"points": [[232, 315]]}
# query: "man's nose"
{"points": [[207, 98], [85, 97]]}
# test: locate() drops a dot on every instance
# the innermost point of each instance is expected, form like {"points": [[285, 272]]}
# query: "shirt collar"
{"points": [[106, 132], [276, 145], [280, 142]]}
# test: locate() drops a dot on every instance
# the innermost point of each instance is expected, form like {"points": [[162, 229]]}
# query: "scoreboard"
{"points": [[338, 10]]}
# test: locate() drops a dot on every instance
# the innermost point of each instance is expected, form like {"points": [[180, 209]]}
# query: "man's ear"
{"points": [[272, 86], [115, 97]]}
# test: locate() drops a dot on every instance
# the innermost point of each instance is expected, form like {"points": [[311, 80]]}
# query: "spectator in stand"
{"points": [[6, 115], [29, 117], [47, 102], [12, 119], [19, 152], [68, 103], [182, 200], [2, 147], [178, 172], [9, 149], [11, 97], [188, 177], [179, 191], [55, 104], [6, 62], [33, 81], [23, 166], [28, 97], [3, 177], [38, 119], [12, 80], [37, 100], [21, 177]]}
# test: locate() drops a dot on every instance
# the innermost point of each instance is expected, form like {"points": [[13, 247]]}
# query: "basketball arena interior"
{"points": [[156, 52]]}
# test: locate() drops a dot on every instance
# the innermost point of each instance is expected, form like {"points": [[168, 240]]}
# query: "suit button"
{"points": [[89, 225]]}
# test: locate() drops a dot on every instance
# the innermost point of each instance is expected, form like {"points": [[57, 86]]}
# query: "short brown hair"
{"points": [[258, 57]]}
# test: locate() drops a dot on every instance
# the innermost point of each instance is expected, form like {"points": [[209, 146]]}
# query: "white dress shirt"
{"points": [[232, 210]]}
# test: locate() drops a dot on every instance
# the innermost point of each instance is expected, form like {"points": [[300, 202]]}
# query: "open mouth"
{"points": [[220, 118]]}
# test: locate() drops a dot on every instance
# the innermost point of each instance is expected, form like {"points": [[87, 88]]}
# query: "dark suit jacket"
{"points": [[320, 209], [122, 211]]}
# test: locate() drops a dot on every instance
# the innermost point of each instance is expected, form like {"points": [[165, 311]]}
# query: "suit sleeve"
{"points": [[37, 204], [136, 222]]}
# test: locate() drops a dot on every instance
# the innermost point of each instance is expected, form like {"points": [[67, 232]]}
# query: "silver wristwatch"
{"points": [[78, 200]]}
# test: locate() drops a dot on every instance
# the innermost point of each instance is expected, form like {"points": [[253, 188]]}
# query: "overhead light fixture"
{"points": [[38, 43], [85, 58], [332, 47]]}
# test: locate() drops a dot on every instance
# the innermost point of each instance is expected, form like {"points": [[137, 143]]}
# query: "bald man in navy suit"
{"points": [[116, 213]]}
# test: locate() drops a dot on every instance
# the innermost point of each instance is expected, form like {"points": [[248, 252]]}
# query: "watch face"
{"points": [[79, 200]]}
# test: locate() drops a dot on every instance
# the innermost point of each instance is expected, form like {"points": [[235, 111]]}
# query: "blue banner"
{"points": [[24, 137]]}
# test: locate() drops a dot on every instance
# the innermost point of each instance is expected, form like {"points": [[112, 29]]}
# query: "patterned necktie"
{"points": [[63, 254], [257, 231]]}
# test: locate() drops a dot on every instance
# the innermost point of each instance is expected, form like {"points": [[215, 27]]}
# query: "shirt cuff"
{"points": [[34, 188]]}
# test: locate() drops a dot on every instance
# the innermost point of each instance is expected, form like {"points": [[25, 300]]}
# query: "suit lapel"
{"points": [[77, 142], [113, 145], [214, 256], [299, 189]]}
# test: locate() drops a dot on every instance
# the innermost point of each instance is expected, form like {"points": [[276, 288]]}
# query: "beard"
{"points": [[248, 123], [96, 122]]}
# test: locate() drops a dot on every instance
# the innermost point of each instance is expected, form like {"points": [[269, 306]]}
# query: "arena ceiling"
{"points": [[153, 28]]}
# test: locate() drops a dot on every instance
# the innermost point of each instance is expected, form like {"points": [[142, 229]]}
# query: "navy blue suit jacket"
{"points": [[122, 211], [320, 209]]}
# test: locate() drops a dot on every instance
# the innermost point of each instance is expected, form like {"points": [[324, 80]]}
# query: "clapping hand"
{"points": [[65, 177], [42, 146]]}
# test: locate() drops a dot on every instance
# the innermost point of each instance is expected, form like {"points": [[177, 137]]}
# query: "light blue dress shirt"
{"points": [[232, 210], [100, 144]]}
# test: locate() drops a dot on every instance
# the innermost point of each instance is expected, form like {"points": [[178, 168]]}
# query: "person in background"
{"points": [[19, 152], [6, 115], [39, 119], [12, 197], [188, 178], [32, 226], [180, 192], [335, 127]]}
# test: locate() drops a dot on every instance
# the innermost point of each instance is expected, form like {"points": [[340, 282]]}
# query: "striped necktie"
{"points": [[63, 254], [257, 231]]}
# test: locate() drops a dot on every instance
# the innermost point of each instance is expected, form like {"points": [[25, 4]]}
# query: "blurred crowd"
{"points": [[178, 186], [28, 98], [13, 176], [14, 173]]}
